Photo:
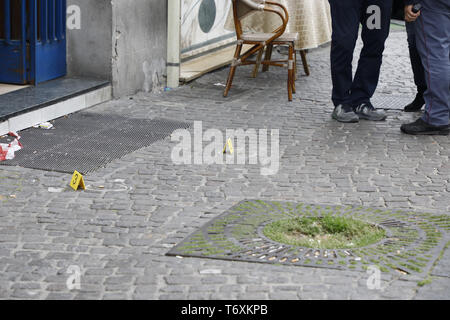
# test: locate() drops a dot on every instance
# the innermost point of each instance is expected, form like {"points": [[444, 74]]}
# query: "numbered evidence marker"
{"points": [[77, 181], [230, 146]]}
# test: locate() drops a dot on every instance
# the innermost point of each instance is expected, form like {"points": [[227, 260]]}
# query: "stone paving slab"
{"points": [[442, 268], [138, 208]]}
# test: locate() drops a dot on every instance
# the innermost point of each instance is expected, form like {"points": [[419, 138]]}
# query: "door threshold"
{"points": [[7, 88], [27, 107]]}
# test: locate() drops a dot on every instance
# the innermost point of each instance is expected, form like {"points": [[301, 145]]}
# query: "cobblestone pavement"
{"points": [[138, 207]]}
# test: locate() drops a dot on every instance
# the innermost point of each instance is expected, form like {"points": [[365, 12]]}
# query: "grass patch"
{"points": [[328, 232], [428, 280]]}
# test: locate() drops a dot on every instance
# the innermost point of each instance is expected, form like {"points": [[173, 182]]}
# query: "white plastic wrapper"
{"points": [[8, 151]]}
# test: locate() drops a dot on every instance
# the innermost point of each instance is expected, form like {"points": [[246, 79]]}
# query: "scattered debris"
{"points": [[401, 271], [45, 125], [32, 293], [118, 186], [220, 84], [7, 151], [55, 190], [211, 271]]}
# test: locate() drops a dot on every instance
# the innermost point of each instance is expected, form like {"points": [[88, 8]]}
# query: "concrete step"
{"points": [[31, 106]]}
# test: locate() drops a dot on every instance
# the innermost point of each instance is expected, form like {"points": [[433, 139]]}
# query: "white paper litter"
{"points": [[44, 125]]}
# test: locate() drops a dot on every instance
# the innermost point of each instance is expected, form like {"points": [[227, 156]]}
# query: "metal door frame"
{"points": [[19, 75], [41, 53]]}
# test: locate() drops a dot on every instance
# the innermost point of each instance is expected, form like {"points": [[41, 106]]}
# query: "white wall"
{"points": [[194, 40]]}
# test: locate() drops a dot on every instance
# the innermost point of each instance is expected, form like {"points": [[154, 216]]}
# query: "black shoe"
{"points": [[367, 111], [416, 105], [420, 127], [344, 113]]}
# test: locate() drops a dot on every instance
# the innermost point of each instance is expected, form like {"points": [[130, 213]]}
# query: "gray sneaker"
{"points": [[367, 111], [344, 113]]}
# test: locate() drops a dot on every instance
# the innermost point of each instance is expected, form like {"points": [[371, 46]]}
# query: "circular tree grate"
{"points": [[412, 244], [327, 232]]}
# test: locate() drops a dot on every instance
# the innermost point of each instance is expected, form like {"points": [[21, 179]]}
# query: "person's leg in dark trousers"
{"points": [[433, 43], [369, 65], [346, 17], [417, 67]]}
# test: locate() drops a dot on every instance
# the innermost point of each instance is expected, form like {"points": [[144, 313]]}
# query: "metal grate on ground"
{"points": [[88, 141], [390, 102], [413, 243]]}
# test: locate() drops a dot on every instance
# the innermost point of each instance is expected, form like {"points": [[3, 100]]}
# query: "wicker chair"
{"points": [[260, 41]]}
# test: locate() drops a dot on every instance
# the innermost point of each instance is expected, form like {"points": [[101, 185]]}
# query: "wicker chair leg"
{"points": [[295, 65], [290, 85], [258, 63], [291, 88], [294, 89], [268, 57], [305, 62], [294, 69], [232, 70]]}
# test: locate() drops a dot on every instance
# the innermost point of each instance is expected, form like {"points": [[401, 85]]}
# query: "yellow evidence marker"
{"points": [[77, 181], [230, 146]]}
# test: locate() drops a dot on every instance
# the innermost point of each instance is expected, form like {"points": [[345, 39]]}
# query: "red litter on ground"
{"points": [[7, 151]]}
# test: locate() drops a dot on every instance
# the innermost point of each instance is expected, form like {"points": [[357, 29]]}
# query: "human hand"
{"points": [[410, 16]]}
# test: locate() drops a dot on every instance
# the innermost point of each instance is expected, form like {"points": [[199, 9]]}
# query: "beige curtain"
{"points": [[310, 18]]}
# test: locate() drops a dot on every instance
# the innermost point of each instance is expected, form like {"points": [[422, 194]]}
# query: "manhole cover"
{"points": [[412, 242]]}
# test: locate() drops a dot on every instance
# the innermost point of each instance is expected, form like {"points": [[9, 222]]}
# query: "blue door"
{"points": [[13, 41], [47, 39], [32, 40]]}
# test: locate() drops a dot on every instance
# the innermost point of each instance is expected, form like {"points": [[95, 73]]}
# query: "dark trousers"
{"points": [[433, 43], [416, 62], [347, 16]]}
